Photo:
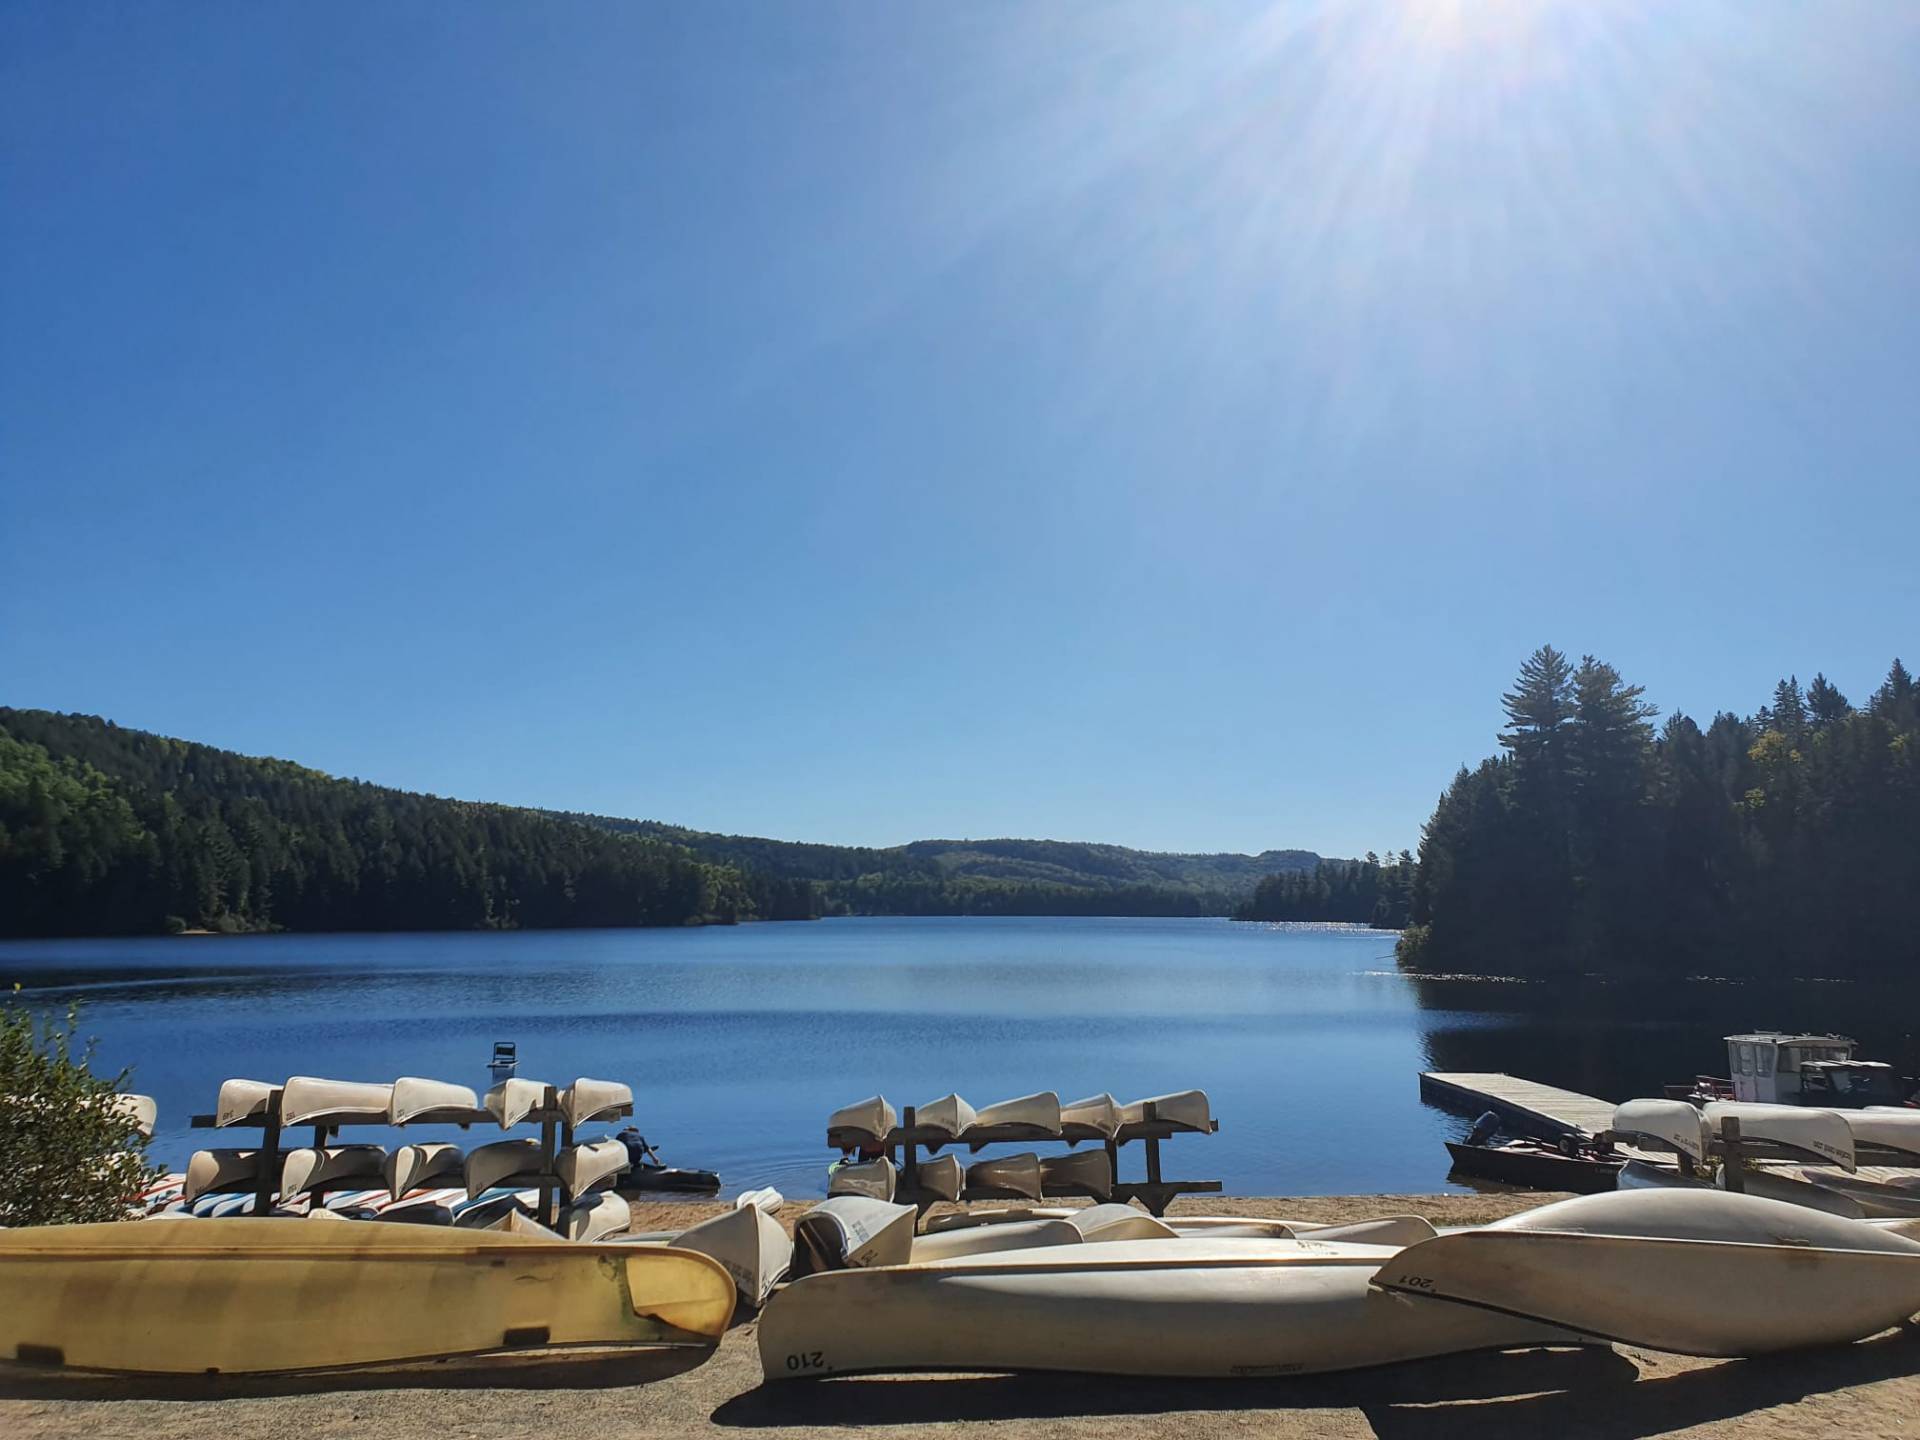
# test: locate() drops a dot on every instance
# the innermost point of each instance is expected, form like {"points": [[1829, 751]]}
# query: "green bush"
{"points": [[68, 1152]]}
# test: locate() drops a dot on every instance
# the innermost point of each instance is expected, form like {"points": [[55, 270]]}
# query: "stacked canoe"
{"points": [[881, 1161]]}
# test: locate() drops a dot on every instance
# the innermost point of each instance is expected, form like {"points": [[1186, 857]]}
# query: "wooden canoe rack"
{"points": [[902, 1144], [1736, 1152], [555, 1135]]}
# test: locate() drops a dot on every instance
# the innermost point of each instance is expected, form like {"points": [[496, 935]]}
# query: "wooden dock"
{"points": [[1525, 1107]]}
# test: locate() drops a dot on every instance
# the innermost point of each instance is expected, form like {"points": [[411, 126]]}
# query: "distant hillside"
{"points": [[1003, 877], [107, 830]]}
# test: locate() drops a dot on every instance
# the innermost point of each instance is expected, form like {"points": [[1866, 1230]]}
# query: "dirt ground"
{"points": [[1861, 1391]]}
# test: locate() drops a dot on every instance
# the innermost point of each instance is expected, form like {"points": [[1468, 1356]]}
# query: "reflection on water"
{"points": [[738, 1042]]}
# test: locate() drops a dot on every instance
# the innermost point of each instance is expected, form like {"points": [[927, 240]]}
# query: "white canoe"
{"points": [[766, 1198], [1088, 1173], [1819, 1135], [141, 1111], [1018, 1173], [948, 1117], [414, 1167], [308, 1167], [867, 1122], [943, 1176], [586, 1101], [309, 1100], [430, 1102], [869, 1179], [596, 1217], [1890, 1128], [1768, 1184], [1096, 1224], [1095, 1118], [242, 1100], [210, 1172], [752, 1246], [214, 1296], [1666, 1124], [1696, 1272], [1027, 1117], [1237, 1225], [583, 1168], [852, 1230], [501, 1164], [1893, 1199], [512, 1101], [1141, 1307], [1183, 1110]]}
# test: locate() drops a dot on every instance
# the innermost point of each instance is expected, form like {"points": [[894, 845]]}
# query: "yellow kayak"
{"points": [[246, 1295]]}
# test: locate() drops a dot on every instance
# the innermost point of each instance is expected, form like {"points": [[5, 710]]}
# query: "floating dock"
{"points": [[1525, 1107]]}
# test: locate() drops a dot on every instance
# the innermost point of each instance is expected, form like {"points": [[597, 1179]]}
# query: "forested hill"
{"points": [[105, 830], [960, 877], [1784, 842]]}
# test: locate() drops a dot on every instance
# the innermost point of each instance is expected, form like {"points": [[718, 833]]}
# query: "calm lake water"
{"points": [[738, 1042]]}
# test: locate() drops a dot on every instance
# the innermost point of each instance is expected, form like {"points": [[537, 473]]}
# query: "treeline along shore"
{"points": [[107, 830]]}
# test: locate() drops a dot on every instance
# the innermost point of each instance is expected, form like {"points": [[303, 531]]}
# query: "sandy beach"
{"points": [[1871, 1389]]}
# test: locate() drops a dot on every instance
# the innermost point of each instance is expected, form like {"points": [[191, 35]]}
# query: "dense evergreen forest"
{"points": [[105, 830], [1370, 891], [1783, 843]]}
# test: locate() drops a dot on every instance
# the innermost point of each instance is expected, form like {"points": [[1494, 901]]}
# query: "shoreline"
{"points": [[1869, 1388]]}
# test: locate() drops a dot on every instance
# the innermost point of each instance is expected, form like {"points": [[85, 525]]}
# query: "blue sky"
{"points": [[1161, 424]]}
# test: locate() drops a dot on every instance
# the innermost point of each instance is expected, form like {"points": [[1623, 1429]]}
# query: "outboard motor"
{"points": [[1484, 1129]]}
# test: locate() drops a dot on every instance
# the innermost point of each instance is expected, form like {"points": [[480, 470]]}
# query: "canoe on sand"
{"points": [[852, 1230], [1177, 1307], [749, 1243], [596, 1217], [242, 1296], [1692, 1271]]}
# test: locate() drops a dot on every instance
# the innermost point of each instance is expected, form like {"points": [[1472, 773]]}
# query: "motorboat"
{"points": [[239, 1297], [646, 1171], [1697, 1272], [1535, 1165]]}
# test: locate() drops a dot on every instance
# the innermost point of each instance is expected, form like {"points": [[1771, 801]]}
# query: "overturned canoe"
{"points": [[1768, 1184], [214, 1296], [1097, 1224], [1088, 1173], [309, 1100], [596, 1217], [871, 1179], [1817, 1135], [1095, 1118], [1888, 1127], [749, 1243], [140, 1111], [413, 1167], [1891, 1199], [948, 1117], [1182, 1110], [1138, 1307], [1016, 1174], [512, 1101], [1697, 1272], [582, 1168], [1666, 1124], [942, 1176], [862, 1125], [241, 1101], [502, 1164], [766, 1198], [415, 1101], [310, 1167], [1027, 1117], [210, 1172], [852, 1230], [586, 1101]]}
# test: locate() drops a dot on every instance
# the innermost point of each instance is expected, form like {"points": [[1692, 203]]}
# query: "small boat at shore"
{"points": [[1695, 1272], [852, 1230], [749, 1242], [1535, 1165], [646, 1171], [596, 1218], [248, 1296], [1149, 1307]]}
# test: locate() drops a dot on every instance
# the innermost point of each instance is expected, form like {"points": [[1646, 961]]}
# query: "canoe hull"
{"points": [[1252, 1319], [253, 1296]]}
